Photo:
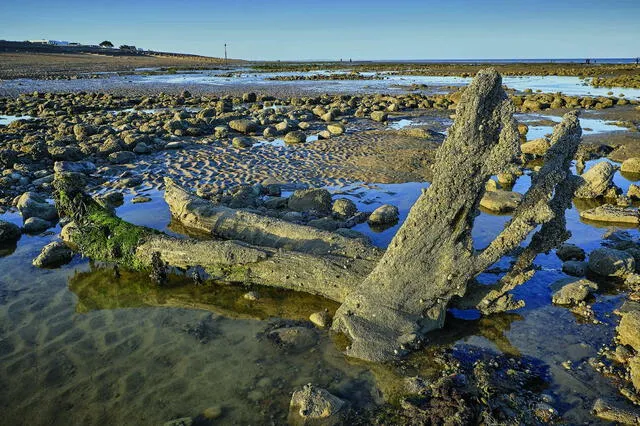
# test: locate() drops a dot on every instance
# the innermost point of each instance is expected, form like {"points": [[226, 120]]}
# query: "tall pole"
{"points": [[225, 53]]}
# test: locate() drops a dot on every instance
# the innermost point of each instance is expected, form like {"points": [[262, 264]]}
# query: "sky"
{"points": [[335, 29]]}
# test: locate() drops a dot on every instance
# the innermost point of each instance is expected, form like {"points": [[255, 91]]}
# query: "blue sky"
{"points": [[333, 29]]}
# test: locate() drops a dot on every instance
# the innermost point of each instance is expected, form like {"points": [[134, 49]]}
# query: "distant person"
{"points": [[587, 61], [637, 61]]}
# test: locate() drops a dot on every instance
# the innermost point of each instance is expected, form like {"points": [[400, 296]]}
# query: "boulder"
{"points": [[570, 252], [244, 126], [9, 233], [294, 137], [242, 142], [597, 180], [500, 201], [575, 268], [335, 128], [384, 215], [610, 262], [35, 225], [249, 97], [633, 192], [537, 147], [379, 116], [344, 208], [629, 329], [311, 199], [612, 214], [31, 204], [122, 157], [86, 167], [574, 292], [53, 255], [313, 403], [631, 165]]}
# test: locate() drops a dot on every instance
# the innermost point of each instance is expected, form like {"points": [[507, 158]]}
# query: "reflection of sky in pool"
{"points": [[590, 126]]}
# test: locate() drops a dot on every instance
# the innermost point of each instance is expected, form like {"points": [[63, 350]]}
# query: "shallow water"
{"points": [[590, 126], [391, 83], [80, 345], [7, 119]]}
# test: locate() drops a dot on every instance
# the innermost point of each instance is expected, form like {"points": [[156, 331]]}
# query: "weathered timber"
{"points": [[431, 259]]}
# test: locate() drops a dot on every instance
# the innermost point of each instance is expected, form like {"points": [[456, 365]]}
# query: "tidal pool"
{"points": [[84, 345]]}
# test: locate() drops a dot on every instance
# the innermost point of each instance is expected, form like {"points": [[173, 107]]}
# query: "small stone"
{"points": [[320, 319], [570, 252], [252, 296], [384, 215], [212, 412], [140, 199]]}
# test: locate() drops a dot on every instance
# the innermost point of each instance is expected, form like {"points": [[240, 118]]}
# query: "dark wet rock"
{"points": [[8, 157], [244, 126], [276, 203], [65, 153], [242, 142], [9, 233], [384, 215], [35, 225], [112, 199], [295, 137], [612, 214], [294, 338], [244, 196], [142, 148], [83, 131], [249, 97], [609, 262], [500, 201], [344, 208], [122, 157], [575, 268], [31, 204], [53, 255], [311, 199], [86, 167], [574, 292], [317, 405], [570, 252], [325, 223]]}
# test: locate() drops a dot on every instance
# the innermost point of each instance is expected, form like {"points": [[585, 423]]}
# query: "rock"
{"points": [[174, 145], [140, 199], [629, 329], [53, 255], [33, 205], [314, 403], [575, 268], [9, 233], [537, 147], [633, 192], [631, 165], [276, 203], [500, 201], [379, 116], [251, 296], [249, 97], [244, 126], [320, 319], [570, 252], [183, 421], [35, 225], [326, 223], [242, 142], [311, 199], [597, 180], [574, 292], [295, 137], [86, 167], [122, 157], [612, 214], [112, 199], [634, 370], [384, 215], [610, 262], [142, 148], [270, 132], [335, 128], [296, 339], [344, 208]]}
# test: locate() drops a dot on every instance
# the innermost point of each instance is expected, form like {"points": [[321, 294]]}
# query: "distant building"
{"points": [[54, 42]]}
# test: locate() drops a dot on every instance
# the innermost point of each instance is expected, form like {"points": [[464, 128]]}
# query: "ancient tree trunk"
{"points": [[100, 235], [251, 228], [431, 258]]}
